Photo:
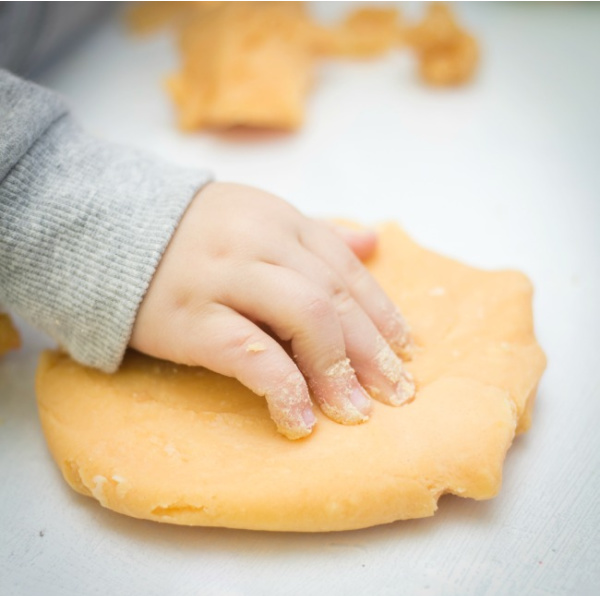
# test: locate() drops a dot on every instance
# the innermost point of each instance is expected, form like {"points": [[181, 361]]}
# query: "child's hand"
{"points": [[243, 268]]}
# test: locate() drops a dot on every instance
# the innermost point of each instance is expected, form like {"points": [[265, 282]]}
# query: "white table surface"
{"points": [[502, 173]]}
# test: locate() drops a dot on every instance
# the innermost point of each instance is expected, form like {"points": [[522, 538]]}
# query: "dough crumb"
{"points": [[98, 489], [122, 487], [171, 450], [341, 368], [256, 347], [437, 291]]}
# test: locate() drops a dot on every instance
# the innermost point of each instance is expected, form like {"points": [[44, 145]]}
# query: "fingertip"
{"points": [[365, 247], [340, 396], [293, 434], [299, 430], [290, 407], [346, 413], [405, 390], [362, 242]]}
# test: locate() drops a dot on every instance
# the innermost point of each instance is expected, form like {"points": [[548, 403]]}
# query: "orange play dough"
{"points": [[9, 336], [187, 446]]}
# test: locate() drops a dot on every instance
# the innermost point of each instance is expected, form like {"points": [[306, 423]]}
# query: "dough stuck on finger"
{"points": [[289, 410], [187, 446], [256, 347], [399, 333], [340, 396]]}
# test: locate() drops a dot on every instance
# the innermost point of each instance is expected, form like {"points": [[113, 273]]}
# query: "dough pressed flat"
{"points": [[187, 446]]}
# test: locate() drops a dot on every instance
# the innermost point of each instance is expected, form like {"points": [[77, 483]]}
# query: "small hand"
{"points": [[245, 274]]}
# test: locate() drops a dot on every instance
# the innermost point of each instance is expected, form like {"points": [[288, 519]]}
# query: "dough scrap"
{"points": [[252, 64], [187, 446], [9, 336], [447, 54], [365, 32], [244, 64]]}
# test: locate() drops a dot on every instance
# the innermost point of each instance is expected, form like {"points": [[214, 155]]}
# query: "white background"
{"points": [[502, 173]]}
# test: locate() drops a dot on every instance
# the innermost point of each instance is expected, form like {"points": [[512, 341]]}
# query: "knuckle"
{"points": [[343, 301], [353, 269], [317, 308]]}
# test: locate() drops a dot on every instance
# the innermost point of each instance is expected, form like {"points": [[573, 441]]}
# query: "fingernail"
{"points": [[404, 390], [309, 417], [401, 340], [360, 400]]}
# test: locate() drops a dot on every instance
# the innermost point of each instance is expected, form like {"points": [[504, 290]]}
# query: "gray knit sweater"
{"points": [[83, 223]]}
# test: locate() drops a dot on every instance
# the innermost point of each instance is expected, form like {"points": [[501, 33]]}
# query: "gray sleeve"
{"points": [[83, 224]]}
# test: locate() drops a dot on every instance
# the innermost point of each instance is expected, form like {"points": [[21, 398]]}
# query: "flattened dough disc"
{"points": [[187, 446]]}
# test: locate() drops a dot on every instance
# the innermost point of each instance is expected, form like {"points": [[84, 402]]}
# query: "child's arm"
{"points": [[83, 223], [83, 227]]}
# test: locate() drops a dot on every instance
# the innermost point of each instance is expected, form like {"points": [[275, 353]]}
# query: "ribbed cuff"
{"points": [[83, 226]]}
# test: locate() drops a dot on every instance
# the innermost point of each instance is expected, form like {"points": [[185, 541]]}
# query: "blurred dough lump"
{"points": [[252, 63]]}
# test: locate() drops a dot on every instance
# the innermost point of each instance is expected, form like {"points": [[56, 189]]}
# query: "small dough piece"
{"points": [[366, 32], [187, 446], [9, 336], [251, 64], [447, 55], [244, 64]]}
